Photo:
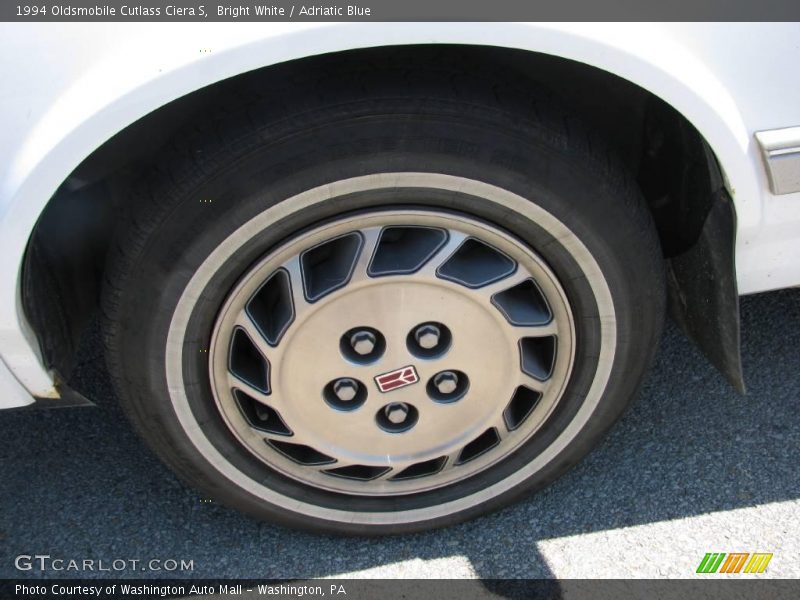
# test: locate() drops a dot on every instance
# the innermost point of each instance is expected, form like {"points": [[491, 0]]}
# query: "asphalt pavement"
{"points": [[692, 468]]}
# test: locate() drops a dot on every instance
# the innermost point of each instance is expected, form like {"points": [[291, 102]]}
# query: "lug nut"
{"points": [[345, 389], [396, 413], [363, 342], [446, 382], [427, 336]]}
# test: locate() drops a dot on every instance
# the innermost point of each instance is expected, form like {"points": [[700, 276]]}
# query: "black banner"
{"points": [[365, 589], [399, 10]]}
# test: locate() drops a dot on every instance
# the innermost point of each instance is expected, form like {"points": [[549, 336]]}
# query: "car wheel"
{"points": [[382, 312]]}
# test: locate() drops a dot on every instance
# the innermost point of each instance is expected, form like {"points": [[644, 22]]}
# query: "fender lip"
{"points": [[780, 151]]}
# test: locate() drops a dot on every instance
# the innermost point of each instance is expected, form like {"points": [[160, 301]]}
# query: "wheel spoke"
{"points": [[254, 393], [452, 458], [500, 427], [370, 237], [299, 302], [455, 239], [503, 284], [531, 382], [297, 437], [394, 470], [548, 329]]}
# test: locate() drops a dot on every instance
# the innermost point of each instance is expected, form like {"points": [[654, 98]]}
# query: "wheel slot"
{"points": [[523, 305], [538, 355], [271, 308], [404, 250], [358, 472], [521, 406], [480, 445], [260, 416], [247, 363], [301, 454], [475, 264], [329, 266], [422, 469]]}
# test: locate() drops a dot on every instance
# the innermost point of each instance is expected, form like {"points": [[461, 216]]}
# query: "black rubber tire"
{"points": [[229, 168]]}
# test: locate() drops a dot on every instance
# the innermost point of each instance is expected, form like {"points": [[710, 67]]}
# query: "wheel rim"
{"points": [[392, 353]]}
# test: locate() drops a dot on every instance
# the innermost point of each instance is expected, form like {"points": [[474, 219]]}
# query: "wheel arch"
{"points": [[48, 169]]}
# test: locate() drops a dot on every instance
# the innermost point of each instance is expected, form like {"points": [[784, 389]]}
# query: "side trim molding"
{"points": [[780, 150]]}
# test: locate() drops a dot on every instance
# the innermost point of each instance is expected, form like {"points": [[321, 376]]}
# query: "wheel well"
{"points": [[65, 260]]}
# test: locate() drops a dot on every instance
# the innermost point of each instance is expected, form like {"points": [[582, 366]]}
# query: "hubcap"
{"points": [[392, 353]]}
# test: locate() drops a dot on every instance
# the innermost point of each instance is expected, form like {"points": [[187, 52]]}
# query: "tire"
{"points": [[201, 295]]}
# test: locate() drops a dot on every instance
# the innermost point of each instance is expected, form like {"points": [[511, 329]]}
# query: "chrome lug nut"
{"points": [[446, 382], [363, 342], [345, 389], [396, 413], [427, 336]]}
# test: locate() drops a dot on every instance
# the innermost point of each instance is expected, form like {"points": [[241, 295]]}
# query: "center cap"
{"points": [[402, 377], [312, 358]]}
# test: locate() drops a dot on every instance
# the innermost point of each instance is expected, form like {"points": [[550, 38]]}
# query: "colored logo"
{"points": [[397, 379], [734, 562]]}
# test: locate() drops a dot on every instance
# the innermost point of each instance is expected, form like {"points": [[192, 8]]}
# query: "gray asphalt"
{"points": [[692, 468]]}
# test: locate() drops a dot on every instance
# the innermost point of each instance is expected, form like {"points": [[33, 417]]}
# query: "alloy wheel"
{"points": [[392, 353]]}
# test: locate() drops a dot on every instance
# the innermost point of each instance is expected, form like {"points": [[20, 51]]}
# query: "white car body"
{"points": [[68, 88]]}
